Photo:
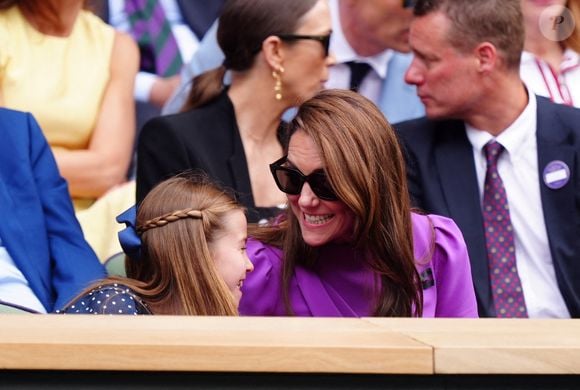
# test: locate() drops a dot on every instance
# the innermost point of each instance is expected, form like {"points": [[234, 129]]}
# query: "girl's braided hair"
{"points": [[170, 217]]}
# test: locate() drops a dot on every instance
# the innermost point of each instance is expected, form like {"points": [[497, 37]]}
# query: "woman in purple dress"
{"points": [[349, 244]]}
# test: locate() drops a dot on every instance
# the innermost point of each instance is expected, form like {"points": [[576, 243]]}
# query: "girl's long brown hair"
{"points": [[365, 167], [176, 273]]}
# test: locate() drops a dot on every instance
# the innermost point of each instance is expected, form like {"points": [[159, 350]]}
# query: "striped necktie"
{"points": [[152, 31]]}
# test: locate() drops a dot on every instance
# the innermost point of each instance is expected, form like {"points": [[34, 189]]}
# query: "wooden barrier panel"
{"points": [[495, 346], [290, 345], [207, 344]]}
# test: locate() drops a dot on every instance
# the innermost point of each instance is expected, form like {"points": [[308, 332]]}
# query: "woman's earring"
{"points": [[277, 74]]}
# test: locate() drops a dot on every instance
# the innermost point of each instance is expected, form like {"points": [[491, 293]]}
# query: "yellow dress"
{"points": [[62, 82]]}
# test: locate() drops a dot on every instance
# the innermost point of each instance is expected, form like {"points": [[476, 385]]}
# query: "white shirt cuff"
{"points": [[143, 86]]}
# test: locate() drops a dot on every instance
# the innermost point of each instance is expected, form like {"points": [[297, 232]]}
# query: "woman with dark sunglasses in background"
{"points": [[277, 52], [349, 244]]}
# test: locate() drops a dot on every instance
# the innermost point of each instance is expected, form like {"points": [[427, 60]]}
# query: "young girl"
{"points": [[188, 258]]}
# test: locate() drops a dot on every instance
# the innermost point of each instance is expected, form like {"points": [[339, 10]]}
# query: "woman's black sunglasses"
{"points": [[291, 180], [323, 39]]}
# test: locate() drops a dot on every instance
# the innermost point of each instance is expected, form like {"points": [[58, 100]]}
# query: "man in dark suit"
{"points": [[519, 212], [44, 259]]}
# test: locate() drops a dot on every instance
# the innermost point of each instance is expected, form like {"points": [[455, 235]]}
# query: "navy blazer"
{"points": [[38, 227], [442, 180]]}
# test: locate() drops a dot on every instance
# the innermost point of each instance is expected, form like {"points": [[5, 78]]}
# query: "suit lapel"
{"points": [[559, 204], [240, 176], [455, 165]]}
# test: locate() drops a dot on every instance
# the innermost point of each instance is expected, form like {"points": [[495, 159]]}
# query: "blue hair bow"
{"points": [[128, 237]]}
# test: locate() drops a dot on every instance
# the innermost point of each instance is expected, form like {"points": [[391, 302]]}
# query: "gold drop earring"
{"points": [[277, 74]]}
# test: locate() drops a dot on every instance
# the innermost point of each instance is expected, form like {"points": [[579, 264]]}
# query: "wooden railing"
{"points": [[289, 345]]}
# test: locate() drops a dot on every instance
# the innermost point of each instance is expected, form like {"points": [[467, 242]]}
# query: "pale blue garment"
{"points": [[399, 101], [208, 56], [14, 287]]}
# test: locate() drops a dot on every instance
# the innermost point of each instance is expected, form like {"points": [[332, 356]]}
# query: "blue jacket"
{"points": [[38, 225]]}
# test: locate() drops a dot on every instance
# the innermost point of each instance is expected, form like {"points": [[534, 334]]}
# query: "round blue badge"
{"points": [[556, 174]]}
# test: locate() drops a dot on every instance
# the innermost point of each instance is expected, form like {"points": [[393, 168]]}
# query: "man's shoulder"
{"points": [[546, 105], [415, 124], [557, 120], [426, 129], [16, 125], [7, 114]]}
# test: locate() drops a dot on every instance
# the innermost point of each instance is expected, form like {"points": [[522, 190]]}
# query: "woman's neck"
{"points": [[550, 51], [258, 113], [53, 17]]}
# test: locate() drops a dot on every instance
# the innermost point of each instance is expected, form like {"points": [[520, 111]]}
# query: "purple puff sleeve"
{"points": [[443, 264], [262, 288]]}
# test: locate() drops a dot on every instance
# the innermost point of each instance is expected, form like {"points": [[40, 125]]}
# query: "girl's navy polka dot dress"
{"points": [[108, 299]]}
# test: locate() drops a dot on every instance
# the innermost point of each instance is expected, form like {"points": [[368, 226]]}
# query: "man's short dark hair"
{"points": [[499, 22]]}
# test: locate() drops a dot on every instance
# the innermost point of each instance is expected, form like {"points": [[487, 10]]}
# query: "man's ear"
{"points": [[273, 51], [486, 55]]}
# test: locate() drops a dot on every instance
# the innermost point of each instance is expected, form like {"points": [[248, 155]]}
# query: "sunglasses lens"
{"points": [[289, 181], [321, 186]]}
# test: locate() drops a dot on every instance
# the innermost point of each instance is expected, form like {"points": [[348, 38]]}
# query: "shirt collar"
{"points": [[570, 60], [343, 52], [514, 137], [527, 57]]}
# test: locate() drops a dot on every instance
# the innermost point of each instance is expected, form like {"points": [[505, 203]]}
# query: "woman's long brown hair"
{"points": [[365, 167]]}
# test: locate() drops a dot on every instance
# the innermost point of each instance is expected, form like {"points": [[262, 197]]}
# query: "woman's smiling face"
{"points": [[321, 221]]}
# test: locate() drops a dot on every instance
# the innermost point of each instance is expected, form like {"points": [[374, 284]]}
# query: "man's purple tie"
{"points": [[506, 286], [152, 31]]}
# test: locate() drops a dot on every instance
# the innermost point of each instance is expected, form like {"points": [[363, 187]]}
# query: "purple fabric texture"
{"points": [[341, 285], [506, 287], [152, 31]]}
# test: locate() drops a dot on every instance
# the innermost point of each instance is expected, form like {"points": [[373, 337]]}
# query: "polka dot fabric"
{"points": [[108, 299], [505, 282]]}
